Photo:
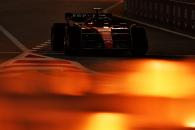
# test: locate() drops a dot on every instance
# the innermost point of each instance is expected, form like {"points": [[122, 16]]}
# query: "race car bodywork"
{"points": [[97, 31]]}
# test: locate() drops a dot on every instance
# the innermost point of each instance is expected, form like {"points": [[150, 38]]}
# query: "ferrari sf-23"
{"points": [[97, 31]]}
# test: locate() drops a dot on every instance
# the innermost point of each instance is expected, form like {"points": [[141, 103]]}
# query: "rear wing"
{"points": [[79, 17]]}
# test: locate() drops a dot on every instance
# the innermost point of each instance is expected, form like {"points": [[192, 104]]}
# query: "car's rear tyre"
{"points": [[57, 36], [139, 46], [72, 43]]}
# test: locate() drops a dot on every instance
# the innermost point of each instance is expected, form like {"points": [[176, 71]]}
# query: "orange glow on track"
{"points": [[159, 78], [190, 123], [162, 78], [107, 121]]}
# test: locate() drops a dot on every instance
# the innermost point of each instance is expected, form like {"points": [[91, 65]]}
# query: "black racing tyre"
{"points": [[139, 46], [72, 43], [57, 36]]}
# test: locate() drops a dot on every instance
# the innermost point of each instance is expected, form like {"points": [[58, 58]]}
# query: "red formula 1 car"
{"points": [[97, 31]]}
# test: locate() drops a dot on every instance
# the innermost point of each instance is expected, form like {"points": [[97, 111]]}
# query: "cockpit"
{"points": [[99, 21]]}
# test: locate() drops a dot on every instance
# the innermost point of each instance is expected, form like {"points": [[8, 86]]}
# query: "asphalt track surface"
{"points": [[41, 89]]}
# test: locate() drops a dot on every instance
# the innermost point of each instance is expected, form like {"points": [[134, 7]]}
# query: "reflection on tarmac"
{"points": [[132, 94]]}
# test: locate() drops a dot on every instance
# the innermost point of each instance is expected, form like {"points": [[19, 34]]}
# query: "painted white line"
{"points": [[42, 56], [112, 6], [13, 39], [40, 46], [156, 27], [48, 42]]}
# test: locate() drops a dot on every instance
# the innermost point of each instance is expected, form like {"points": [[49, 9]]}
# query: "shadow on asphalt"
{"points": [[118, 56]]}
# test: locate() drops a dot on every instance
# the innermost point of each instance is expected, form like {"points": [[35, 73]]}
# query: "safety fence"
{"points": [[171, 13]]}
